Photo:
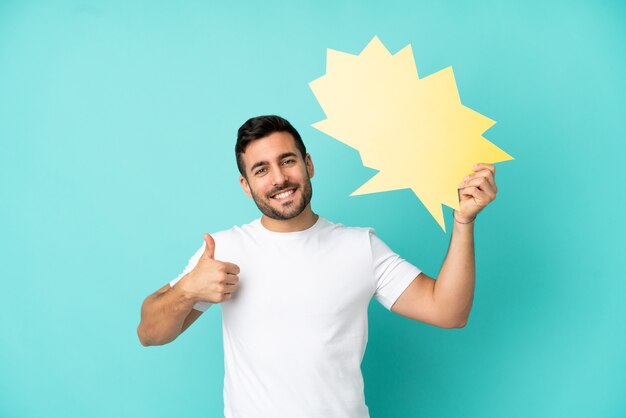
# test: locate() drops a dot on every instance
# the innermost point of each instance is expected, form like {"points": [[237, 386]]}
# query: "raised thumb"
{"points": [[209, 248]]}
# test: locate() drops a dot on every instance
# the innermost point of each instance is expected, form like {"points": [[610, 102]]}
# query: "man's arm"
{"points": [[169, 311], [447, 301], [165, 314]]}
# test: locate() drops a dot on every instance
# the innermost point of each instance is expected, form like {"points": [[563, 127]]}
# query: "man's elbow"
{"points": [[143, 338], [461, 324], [455, 323], [147, 340]]}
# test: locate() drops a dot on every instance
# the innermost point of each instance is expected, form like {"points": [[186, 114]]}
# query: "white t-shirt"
{"points": [[296, 328]]}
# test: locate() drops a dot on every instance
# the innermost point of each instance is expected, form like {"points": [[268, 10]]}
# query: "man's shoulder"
{"points": [[351, 230], [344, 226], [324, 225], [237, 230]]}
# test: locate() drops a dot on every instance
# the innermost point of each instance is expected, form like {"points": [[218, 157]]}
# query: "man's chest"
{"points": [[290, 289]]}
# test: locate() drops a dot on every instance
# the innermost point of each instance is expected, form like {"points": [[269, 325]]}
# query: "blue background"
{"points": [[117, 128]]}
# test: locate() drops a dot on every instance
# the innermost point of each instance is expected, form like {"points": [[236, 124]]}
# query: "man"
{"points": [[294, 287]]}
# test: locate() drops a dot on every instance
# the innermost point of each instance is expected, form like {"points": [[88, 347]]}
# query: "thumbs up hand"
{"points": [[209, 247], [211, 280]]}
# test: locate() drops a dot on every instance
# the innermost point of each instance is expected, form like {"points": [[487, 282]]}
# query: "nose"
{"points": [[278, 176]]}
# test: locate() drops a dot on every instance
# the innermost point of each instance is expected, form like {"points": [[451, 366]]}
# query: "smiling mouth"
{"points": [[284, 194]]}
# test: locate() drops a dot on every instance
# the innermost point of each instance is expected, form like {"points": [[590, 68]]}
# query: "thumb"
{"points": [[209, 249]]}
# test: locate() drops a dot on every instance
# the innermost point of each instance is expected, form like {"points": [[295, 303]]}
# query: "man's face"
{"points": [[278, 179]]}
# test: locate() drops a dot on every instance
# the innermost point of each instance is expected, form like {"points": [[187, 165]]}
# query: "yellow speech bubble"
{"points": [[414, 131]]}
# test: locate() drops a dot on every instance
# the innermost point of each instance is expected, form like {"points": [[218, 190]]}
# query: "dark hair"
{"points": [[260, 127]]}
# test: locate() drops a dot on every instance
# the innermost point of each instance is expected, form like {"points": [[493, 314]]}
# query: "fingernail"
{"points": [[466, 178], [475, 167]]}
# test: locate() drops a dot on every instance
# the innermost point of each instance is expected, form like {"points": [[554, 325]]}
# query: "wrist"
{"points": [[463, 220], [186, 289]]}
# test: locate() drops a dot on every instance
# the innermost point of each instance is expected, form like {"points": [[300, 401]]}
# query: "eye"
{"points": [[289, 161], [260, 171]]}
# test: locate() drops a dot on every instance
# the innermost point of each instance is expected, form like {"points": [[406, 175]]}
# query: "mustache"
{"points": [[283, 187]]}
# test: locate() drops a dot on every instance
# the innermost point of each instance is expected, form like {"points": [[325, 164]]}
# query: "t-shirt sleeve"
{"points": [[199, 306], [392, 273]]}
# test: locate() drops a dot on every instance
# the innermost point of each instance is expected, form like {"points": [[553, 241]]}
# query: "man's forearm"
{"points": [[162, 316], [454, 287]]}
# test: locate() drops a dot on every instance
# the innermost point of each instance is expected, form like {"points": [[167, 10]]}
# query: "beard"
{"points": [[290, 209]]}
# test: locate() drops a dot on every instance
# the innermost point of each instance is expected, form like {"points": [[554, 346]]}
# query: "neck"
{"points": [[304, 220]]}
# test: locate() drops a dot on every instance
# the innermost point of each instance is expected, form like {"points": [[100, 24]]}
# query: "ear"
{"points": [[245, 186], [309, 165]]}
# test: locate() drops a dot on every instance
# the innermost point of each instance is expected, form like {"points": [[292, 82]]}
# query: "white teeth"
{"points": [[284, 194]]}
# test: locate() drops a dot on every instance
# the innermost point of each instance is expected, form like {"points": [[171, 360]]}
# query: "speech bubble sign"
{"points": [[414, 131]]}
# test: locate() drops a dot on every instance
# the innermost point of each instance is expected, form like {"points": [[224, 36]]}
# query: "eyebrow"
{"points": [[280, 157]]}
